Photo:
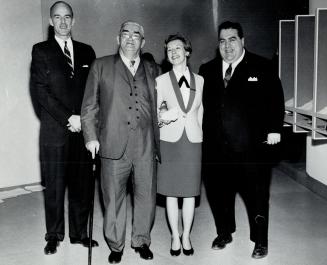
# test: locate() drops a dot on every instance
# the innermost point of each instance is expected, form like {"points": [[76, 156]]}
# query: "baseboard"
{"points": [[297, 172]]}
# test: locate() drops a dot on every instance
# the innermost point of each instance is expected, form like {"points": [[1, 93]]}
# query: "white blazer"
{"points": [[190, 117]]}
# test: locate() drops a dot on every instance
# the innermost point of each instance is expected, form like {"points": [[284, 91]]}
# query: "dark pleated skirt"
{"points": [[179, 173]]}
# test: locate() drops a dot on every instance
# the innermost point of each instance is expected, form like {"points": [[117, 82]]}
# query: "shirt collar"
{"points": [[234, 64], [186, 73], [61, 42], [127, 61]]}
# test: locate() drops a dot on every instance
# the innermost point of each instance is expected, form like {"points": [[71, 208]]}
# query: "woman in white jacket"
{"points": [[180, 119]]}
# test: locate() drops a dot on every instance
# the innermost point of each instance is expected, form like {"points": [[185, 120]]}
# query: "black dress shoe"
{"points": [[221, 241], [175, 252], [85, 242], [259, 251], [144, 251], [188, 252], [115, 257], [51, 247]]}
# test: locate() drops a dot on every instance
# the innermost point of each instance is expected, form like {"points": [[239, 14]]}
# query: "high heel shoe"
{"points": [[175, 252], [187, 252]]}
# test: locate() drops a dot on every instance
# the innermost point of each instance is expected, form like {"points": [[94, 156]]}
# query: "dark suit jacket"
{"points": [[59, 95], [240, 116], [104, 113]]}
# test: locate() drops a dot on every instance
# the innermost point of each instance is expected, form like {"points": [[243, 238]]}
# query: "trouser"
{"points": [[137, 159], [236, 173], [66, 166]]}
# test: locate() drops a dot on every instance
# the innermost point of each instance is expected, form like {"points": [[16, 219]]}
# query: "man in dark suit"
{"points": [[119, 119], [244, 107], [59, 71]]}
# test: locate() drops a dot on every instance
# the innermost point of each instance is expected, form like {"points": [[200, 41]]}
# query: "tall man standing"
{"points": [[59, 70], [244, 108], [119, 119]]}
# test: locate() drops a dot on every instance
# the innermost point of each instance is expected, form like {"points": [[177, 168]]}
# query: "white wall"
{"points": [[20, 27], [316, 164]]}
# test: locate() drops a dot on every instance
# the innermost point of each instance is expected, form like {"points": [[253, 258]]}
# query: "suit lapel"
{"points": [[179, 93], [121, 69], [149, 73], [192, 92], [59, 55], [177, 90]]}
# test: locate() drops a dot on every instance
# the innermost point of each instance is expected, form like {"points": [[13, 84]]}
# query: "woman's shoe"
{"points": [[187, 252], [175, 252]]}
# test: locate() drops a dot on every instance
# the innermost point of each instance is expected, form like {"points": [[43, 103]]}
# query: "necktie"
{"points": [[131, 66], [228, 75], [69, 60], [183, 80]]}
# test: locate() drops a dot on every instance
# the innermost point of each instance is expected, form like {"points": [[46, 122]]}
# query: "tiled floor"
{"points": [[298, 233]]}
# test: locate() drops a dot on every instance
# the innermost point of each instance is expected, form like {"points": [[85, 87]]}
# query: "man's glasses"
{"points": [[127, 35]]}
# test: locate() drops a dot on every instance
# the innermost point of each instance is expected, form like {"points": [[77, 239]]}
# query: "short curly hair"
{"points": [[182, 38]]}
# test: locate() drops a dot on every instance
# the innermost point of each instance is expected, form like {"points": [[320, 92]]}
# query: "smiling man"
{"points": [[59, 70], [119, 121], [243, 118]]}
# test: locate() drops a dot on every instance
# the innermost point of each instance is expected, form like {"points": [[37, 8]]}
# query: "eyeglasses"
{"points": [[134, 36]]}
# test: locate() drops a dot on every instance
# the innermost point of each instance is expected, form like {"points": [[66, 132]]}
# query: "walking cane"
{"points": [[91, 212]]}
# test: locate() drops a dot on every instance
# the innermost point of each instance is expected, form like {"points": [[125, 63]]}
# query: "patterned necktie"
{"points": [[69, 60], [131, 66], [228, 75]]}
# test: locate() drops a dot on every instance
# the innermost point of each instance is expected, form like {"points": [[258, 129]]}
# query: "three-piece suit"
{"points": [[119, 111]]}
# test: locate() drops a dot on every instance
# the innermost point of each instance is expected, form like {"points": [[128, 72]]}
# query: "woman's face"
{"points": [[176, 52]]}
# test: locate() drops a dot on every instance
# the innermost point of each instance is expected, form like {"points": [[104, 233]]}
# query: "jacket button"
{"points": [[128, 123], [129, 107]]}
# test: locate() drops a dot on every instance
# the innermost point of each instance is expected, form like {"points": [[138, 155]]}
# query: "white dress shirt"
{"points": [[127, 62], [61, 42], [234, 64], [184, 89]]}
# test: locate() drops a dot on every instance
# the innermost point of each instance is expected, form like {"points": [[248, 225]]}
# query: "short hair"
{"points": [[182, 38], [132, 22], [231, 25], [61, 3]]}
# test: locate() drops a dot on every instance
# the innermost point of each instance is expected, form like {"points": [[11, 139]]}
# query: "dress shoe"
{"points": [[115, 257], [187, 252], [221, 241], [85, 242], [259, 251], [51, 247], [176, 252], [144, 251]]}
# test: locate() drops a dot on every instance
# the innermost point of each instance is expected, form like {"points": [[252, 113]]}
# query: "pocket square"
{"points": [[85, 65], [252, 79]]}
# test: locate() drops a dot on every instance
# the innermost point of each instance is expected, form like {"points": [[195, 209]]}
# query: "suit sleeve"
{"points": [[90, 105], [276, 105], [40, 75], [201, 110]]}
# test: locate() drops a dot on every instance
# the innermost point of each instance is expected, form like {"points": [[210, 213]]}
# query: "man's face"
{"points": [[62, 20], [230, 45], [130, 40]]}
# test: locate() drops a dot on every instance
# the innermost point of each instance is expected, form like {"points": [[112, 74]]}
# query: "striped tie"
{"points": [[228, 75], [69, 60]]}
